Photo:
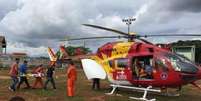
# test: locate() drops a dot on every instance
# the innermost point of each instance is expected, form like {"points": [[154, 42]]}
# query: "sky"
{"points": [[32, 25]]}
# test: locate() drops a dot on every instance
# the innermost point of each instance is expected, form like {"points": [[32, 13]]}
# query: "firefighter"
{"points": [[71, 78]]}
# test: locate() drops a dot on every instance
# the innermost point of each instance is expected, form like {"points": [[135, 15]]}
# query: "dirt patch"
{"points": [[97, 98], [4, 77]]}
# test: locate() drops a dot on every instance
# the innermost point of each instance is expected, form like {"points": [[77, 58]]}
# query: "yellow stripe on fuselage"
{"points": [[120, 50]]}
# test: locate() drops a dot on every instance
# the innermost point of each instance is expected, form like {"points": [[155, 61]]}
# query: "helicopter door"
{"points": [[92, 69], [161, 68], [142, 67]]}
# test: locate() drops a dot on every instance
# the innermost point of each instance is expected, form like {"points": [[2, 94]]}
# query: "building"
{"points": [[7, 59], [36, 61], [2, 45], [21, 56], [187, 51], [190, 49]]}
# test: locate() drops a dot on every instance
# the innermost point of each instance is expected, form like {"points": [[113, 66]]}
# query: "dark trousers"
{"points": [[96, 83], [51, 79], [22, 80], [14, 82]]}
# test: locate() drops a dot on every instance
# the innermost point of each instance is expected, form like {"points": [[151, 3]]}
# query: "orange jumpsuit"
{"points": [[38, 82], [71, 77]]}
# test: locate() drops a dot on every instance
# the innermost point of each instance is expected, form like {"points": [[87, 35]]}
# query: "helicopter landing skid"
{"points": [[143, 98]]}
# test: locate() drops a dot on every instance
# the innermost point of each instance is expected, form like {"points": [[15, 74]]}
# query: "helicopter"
{"points": [[121, 62]]}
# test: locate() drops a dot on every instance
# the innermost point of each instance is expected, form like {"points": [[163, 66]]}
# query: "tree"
{"points": [[72, 51]]}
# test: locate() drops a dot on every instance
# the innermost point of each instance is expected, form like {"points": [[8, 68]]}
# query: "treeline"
{"points": [[73, 51], [197, 43]]}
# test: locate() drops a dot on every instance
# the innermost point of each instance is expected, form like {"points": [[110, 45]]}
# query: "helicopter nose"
{"points": [[186, 77], [199, 73]]}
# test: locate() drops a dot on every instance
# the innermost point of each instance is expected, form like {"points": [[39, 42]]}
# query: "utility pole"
{"points": [[128, 22]]}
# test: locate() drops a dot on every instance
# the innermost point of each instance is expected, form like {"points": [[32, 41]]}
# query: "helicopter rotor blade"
{"points": [[159, 35], [176, 35], [107, 29], [89, 38]]}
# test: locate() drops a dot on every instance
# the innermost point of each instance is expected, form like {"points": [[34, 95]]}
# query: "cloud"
{"points": [[42, 23], [184, 5], [31, 51], [38, 21], [7, 6]]}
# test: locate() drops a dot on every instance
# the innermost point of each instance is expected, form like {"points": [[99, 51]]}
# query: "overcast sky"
{"points": [[32, 25]]}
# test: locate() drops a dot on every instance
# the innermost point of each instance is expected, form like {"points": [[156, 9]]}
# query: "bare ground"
{"points": [[83, 91]]}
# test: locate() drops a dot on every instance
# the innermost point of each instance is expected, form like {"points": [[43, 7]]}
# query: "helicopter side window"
{"points": [[111, 64], [122, 62], [160, 65]]}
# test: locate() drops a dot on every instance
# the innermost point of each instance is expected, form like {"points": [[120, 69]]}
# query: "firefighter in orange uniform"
{"points": [[71, 78]]}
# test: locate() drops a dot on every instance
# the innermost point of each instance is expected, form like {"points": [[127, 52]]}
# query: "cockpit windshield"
{"points": [[181, 63]]}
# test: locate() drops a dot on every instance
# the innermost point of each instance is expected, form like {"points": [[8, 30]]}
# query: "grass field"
{"points": [[84, 91]]}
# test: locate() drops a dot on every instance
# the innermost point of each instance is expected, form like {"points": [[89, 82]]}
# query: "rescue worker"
{"points": [[141, 69], [38, 83], [142, 72], [23, 73], [49, 75], [13, 74], [71, 78]]}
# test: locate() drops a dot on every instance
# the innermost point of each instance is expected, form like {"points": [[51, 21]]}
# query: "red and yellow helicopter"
{"points": [[139, 63]]}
